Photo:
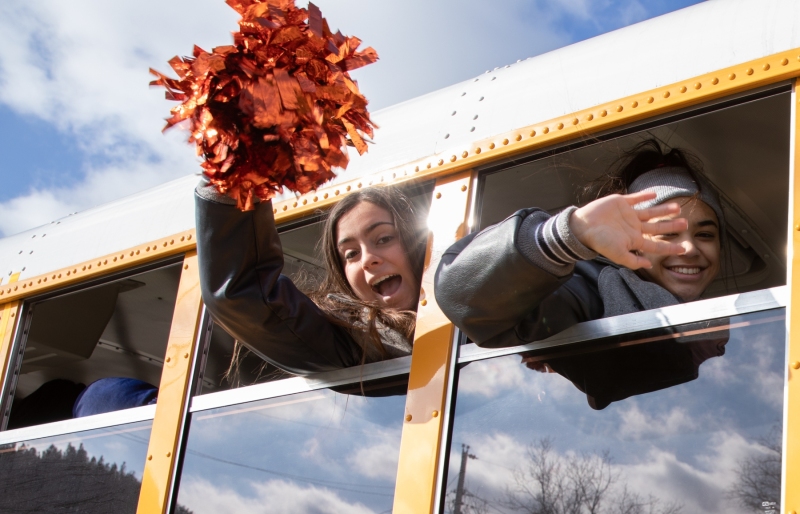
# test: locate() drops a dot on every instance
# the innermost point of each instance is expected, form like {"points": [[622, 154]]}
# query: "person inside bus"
{"points": [[651, 238], [361, 311]]}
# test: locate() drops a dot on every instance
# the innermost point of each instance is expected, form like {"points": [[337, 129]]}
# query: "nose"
{"points": [[369, 259], [689, 245]]}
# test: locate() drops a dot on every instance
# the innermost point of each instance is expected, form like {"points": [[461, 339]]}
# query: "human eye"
{"points": [[385, 239], [351, 254]]}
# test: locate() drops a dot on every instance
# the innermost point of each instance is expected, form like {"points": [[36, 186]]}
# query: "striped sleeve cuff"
{"points": [[551, 244]]}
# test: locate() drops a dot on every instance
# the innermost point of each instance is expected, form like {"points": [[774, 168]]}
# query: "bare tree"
{"points": [[574, 484], [758, 483]]}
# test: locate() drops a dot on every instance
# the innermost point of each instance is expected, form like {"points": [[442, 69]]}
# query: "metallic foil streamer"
{"points": [[276, 108]]}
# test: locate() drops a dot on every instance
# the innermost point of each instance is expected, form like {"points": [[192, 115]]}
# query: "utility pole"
{"points": [[465, 454]]}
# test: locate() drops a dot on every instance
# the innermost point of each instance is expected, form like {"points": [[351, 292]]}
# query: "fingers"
{"points": [[659, 211], [632, 261], [641, 196], [662, 247], [671, 226]]}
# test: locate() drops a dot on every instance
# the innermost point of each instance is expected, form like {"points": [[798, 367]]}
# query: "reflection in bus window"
{"points": [[690, 421], [320, 451], [95, 472], [111, 338]]}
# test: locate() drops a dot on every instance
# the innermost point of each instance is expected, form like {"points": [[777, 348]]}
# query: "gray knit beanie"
{"points": [[675, 182]]}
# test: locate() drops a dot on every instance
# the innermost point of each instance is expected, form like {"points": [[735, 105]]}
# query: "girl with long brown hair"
{"points": [[363, 308]]}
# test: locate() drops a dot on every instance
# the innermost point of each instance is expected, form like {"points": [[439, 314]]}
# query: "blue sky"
{"points": [[80, 126]]}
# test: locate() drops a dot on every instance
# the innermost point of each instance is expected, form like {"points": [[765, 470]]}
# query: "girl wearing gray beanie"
{"points": [[650, 238]]}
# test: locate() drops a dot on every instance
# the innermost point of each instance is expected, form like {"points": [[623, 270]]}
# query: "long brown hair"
{"points": [[335, 296]]}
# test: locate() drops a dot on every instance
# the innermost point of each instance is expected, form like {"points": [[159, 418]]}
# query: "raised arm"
{"points": [[493, 284], [240, 275]]}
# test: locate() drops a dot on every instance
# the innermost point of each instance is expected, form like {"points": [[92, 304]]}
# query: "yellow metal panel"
{"points": [[748, 75], [173, 395], [433, 346], [8, 321], [136, 256], [791, 427]]}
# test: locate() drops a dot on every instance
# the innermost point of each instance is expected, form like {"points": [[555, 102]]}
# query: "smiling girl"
{"points": [[651, 238], [373, 247]]}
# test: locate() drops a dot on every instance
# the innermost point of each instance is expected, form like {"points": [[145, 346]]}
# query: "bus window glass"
{"points": [[96, 471], [744, 152], [685, 419], [95, 350], [319, 451], [231, 364]]}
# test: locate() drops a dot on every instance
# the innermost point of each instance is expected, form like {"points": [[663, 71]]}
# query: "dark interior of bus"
{"points": [[744, 149], [117, 329]]}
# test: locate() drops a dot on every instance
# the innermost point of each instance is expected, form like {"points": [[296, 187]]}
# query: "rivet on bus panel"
{"points": [[650, 99], [186, 355], [423, 302], [435, 414], [169, 454], [325, 195], [463, 188], [749, 71], [441, 161], [416, 169], [545, 130], [453, 158], [428, 165], [505, 141], [698, 85], [358, 185], [784, 62], [465, 153], [305, 201], [796, 365], [438, 195], [634, 105], [682, 89], [765, 67], [149, 457], [731, 76], [491, 145], [560, 126], [316, 198], [619, 108], [478, 150], [169, 359], [408, 417], [603, 113], [715, 81]]}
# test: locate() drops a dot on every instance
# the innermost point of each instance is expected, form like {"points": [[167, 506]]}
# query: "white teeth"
{"points": [[377, 282], [686, 271]]}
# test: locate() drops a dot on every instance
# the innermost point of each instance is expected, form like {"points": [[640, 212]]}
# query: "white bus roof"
{"points": [[690, 42]]}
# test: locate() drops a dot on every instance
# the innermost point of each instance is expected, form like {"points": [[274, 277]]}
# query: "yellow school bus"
{"points": [[454, 428]]}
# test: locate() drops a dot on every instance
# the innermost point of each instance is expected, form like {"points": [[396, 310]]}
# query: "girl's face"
{"points": [[688, 275], [375, 263]]}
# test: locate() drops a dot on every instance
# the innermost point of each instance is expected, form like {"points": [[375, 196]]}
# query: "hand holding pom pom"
{"points": [[275, 108]]}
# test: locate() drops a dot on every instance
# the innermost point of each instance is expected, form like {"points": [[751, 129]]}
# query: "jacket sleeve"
{"points": [[514, 282], [241, 260]]}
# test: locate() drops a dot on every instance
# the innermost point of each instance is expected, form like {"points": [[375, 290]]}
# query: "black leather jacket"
{"points": [[499, 289], [241, 260]]}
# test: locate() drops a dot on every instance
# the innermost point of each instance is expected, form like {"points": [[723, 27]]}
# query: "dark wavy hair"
{"points": [[354, 313], [645, 156]]}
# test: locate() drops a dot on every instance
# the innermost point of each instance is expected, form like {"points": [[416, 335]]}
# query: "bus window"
{"points": [[744, 151], [320, 450], [94, 472], [683, 419], [95, 350]]}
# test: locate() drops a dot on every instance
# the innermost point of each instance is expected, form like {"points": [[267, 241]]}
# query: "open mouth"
{"points": [[685, 270], [387, 285]]}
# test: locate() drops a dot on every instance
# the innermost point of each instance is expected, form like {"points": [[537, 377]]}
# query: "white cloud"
{"points": [[638, 424], [273, 496], [82, 66]]}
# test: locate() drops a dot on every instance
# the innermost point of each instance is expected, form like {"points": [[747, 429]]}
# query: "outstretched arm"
{"points": [[241, 260]]}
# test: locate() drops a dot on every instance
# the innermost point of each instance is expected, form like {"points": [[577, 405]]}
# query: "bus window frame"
{"points": [[25, 317]]}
